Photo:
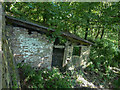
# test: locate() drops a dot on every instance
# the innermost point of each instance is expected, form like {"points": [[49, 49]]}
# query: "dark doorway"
{"points": [[57, 58]]}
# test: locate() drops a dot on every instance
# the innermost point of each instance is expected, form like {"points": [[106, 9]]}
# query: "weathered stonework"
{"points": [[68, 54], [76, 61], [10, 77], [80, 61], [85, 51], [1, 22], [34, 49]]}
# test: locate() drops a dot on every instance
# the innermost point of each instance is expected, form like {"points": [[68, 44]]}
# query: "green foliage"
{"points": [[69, 16], [104, 54], [45, 78], [76, 51], [74, 17], [117, 83]]}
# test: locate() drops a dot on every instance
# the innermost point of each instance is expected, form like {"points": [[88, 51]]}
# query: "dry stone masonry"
{"points": [[0, 46], [21, 46], [34, 49], [80, 61], [85, 51], [68, 53], [10, 77]]}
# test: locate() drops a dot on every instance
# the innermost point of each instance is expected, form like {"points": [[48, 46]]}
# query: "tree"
{"points": [[75, 17]]}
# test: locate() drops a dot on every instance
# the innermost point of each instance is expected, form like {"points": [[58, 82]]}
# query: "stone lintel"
{"points": [[59, 46]]}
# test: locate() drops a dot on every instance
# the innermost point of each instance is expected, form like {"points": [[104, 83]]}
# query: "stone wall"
{"points": [[80, 61], [68, 54], [85, 51], [34, 49], [76, 61], [73, 61], [10, 77], [0, 45]]}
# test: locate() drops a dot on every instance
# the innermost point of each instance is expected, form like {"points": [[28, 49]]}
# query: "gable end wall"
{"points": [[34, 49]]}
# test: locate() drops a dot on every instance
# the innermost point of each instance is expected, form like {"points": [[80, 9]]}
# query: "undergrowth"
{"points": [[103, 56], [44, 78]]}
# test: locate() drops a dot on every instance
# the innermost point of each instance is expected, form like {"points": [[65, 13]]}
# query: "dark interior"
{"points": [[57, 57]]}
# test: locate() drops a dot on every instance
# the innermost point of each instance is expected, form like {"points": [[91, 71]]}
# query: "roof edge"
{"points": [[38, 27]]}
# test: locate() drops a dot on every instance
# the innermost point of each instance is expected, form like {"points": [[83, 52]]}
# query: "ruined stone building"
{"points": [[30, 44]]}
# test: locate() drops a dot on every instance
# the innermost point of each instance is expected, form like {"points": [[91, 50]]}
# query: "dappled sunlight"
{"points": [[71, 68], [85, 83], [88, 30], [81, 79], [115, 69], [0, 46]]}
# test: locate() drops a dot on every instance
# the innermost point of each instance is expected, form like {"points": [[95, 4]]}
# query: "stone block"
{"points": [[33, 49]]}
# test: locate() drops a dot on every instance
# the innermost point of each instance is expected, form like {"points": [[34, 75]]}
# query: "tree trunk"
{"points": [[75, 31], [97, 34], [102, 34], [119, 39], [86, 32]]}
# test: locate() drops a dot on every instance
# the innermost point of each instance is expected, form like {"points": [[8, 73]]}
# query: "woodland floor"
{"points": [[88, 79], [93, 80]]}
